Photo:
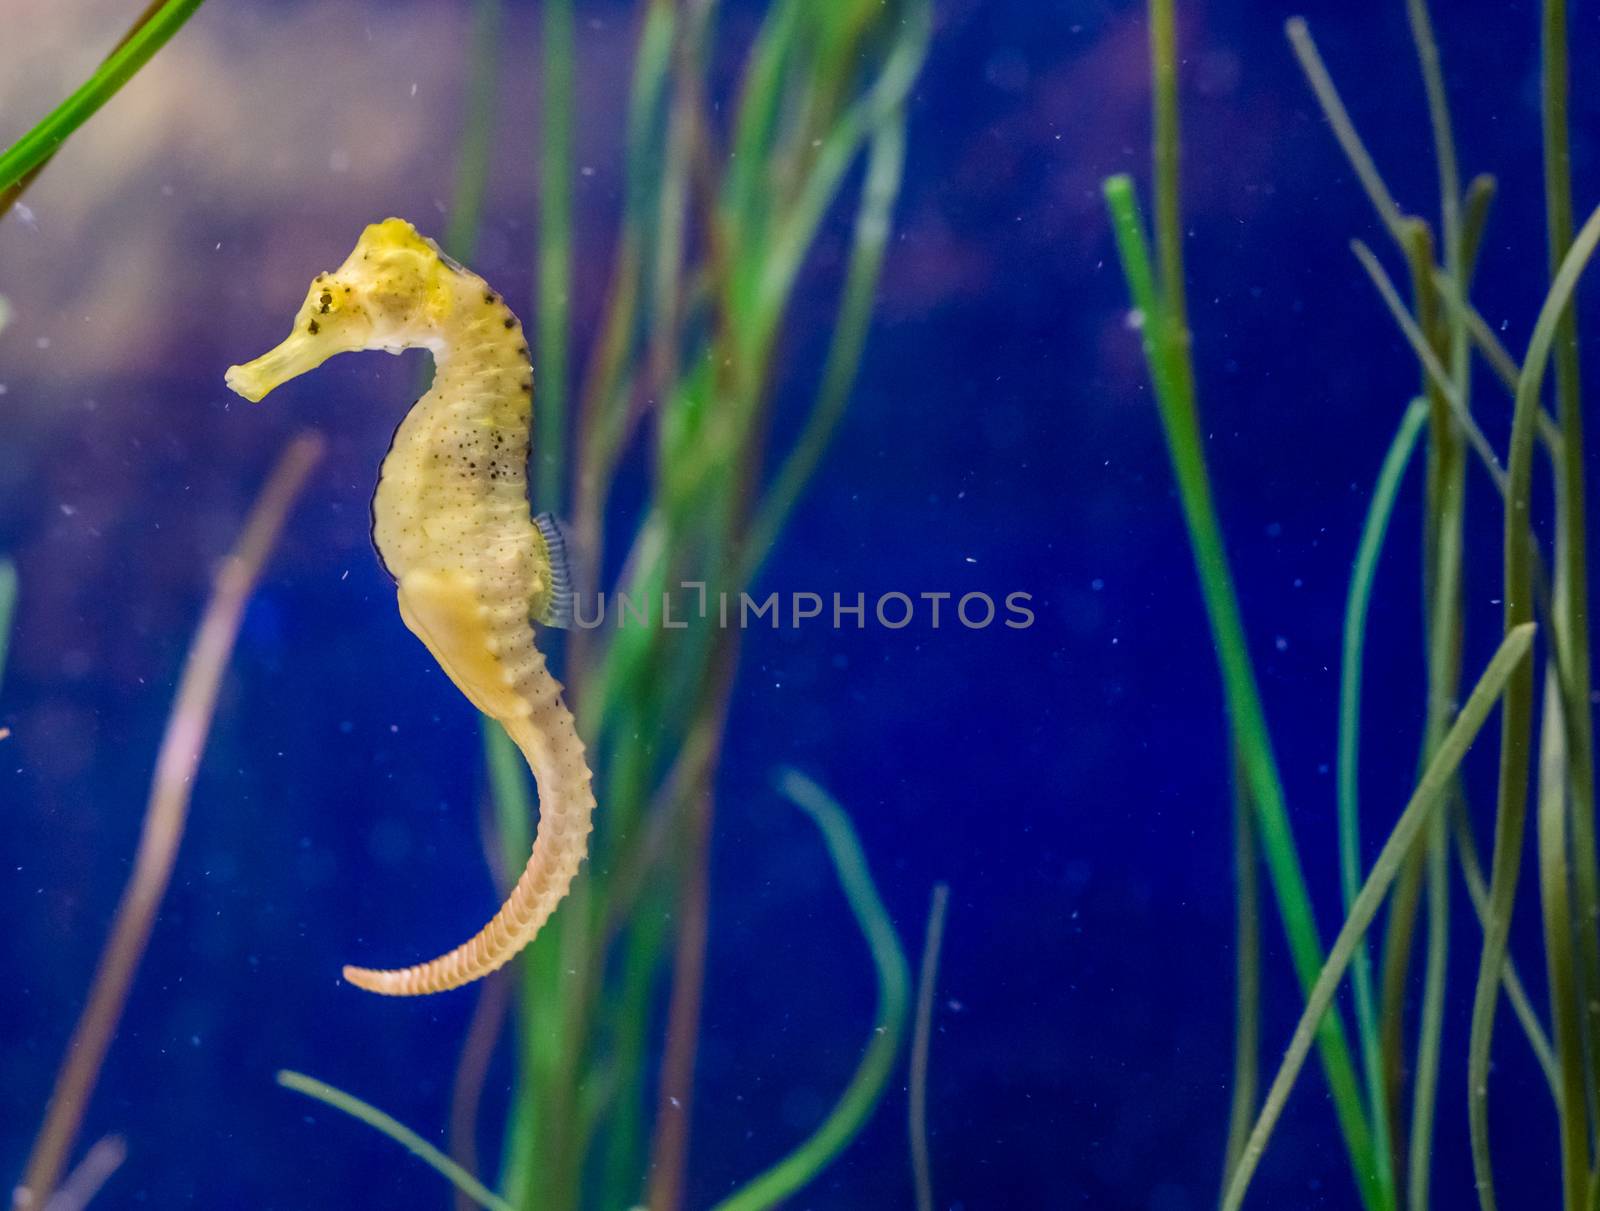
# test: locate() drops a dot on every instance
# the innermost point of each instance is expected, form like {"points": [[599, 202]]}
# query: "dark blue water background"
{"points": [[1070, 781]]}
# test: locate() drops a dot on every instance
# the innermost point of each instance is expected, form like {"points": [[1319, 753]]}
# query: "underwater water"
{"points": [[1068, 775]]}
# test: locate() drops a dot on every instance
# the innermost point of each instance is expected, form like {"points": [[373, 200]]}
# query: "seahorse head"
{"points": [[391, 293]]}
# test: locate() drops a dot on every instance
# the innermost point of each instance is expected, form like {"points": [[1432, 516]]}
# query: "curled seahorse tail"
{"points": [[548, 739]]}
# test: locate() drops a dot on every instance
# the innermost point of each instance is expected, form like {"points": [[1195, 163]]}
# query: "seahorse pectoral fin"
{"points": [[443, 609]]}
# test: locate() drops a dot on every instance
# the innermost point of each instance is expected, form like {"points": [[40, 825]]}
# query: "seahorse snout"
{"points": [[393, 290], [300, 352], [334, 319]]}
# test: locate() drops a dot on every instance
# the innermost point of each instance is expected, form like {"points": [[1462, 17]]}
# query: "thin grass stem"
{"points": [[1501, 363], [1344, 130], [1389, 212], [555, 256], [1475, 209], [1438, 376], [1444, 146], [1443, 550], [1505, 369], [1357, 607], [472, 1073], [89, 1176], [1555, 901], [397, 1131], [477, 133], [1516, 992], [1174, 392], [1516, 726], [1571, 605], [166, 814], [921, 1040], [12, 194], [8, 610], [1247, 975], [40, 143], [675, 1098], [866, 1086], [1430, 1042], [1168, 191]]}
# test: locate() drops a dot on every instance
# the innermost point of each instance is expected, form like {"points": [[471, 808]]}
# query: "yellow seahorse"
{"points": [[451, 522]]}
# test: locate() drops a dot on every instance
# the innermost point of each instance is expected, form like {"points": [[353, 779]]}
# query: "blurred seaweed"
{"points": [[165, 817], [8, 609], [712, 239], [921, 1040], [27, 157], [1392, 1155]]}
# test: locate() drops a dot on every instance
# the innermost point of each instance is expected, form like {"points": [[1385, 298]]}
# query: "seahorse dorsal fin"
{"points": [[556, 610]]}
